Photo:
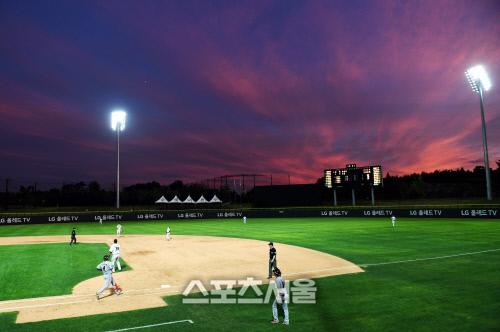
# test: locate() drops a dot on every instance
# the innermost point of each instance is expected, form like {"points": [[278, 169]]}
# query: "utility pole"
{"points": [[373, 195]]}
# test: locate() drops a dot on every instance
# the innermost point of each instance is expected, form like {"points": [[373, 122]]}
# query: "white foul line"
{"points": [[43, 305], [154, 325], [69, 296], [322, 270], [430, 258]]}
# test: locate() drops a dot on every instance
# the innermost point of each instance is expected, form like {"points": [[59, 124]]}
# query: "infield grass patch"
{"points": [[37, 270]]}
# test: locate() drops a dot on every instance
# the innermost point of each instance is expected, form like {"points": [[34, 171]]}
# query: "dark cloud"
{"points": [[282, 87]]}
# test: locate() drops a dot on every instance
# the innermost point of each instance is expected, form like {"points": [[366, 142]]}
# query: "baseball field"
{"points": [[422, 275]]}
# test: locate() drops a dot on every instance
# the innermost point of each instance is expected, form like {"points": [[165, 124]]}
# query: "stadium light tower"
{"points": [[480, 82], [118, 118]]}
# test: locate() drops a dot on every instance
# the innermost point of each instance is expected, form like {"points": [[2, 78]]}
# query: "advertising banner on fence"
{"points": [[53, 218]]}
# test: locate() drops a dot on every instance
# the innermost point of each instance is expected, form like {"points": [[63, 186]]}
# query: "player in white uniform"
{"points": [[100, 220], [115, 252], [244, 219], [393, 220], [168, 233], [107, 270], [282, 298], [118, 230]]}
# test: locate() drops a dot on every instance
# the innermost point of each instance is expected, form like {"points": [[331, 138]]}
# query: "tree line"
{"points": [[459, 183], [82, 194], [455, 184]]}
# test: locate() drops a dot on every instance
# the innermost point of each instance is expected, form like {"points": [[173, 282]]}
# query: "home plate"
{"points": [[165, 286]]}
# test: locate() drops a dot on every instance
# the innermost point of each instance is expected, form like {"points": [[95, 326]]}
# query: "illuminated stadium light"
{"points": [[118, 119], [478, 78], [480, 82]]}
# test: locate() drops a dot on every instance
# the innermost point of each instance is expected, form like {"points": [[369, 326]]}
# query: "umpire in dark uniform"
{"points": [[272, 260], [73, 236]]}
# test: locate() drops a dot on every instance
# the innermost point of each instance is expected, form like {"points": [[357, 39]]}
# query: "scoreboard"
{"points": [[353, 176]]}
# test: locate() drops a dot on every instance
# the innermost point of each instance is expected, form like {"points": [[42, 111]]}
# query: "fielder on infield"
{"points": [[115, 252]]}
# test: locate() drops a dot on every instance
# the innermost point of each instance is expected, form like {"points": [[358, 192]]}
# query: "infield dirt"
{"points": [[161, 267]]}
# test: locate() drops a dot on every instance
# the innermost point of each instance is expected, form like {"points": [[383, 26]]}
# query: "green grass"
{"points": [[453, 294], [46, 269]]}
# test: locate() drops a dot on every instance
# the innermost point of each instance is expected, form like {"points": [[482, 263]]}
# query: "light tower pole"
{"points": [[118, 119], [480, 82]]}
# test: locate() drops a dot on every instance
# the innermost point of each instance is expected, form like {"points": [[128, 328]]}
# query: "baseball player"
{"points": [[272, 259], [100, 220], [244, 219], [168, 233], [393, 220], [115, 254], [107, 270], [73, 236], [118, 230], [282, 298]]}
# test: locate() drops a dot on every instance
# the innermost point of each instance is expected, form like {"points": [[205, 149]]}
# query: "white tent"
{"points": [[162, 199], [188, 200], [201, 200], [175, 200], [215, 199]]}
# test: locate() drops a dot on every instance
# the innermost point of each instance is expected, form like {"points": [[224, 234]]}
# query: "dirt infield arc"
{"points": [[161, 268]]}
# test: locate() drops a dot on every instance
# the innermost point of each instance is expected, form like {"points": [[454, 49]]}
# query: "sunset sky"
{"points": [[225, 87]]}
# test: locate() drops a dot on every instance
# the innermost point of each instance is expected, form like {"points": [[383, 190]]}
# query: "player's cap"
{"points": [[115, 241], [270, 243], [277, 272], [106, 258]]}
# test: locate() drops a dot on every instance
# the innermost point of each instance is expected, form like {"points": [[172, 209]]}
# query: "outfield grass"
{"points": [[452, 294]]}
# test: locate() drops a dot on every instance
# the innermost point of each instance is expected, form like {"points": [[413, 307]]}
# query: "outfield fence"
{"points": [[75, 217]]}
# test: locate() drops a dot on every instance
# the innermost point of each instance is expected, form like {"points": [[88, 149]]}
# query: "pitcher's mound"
{"points": [[162, 267]]}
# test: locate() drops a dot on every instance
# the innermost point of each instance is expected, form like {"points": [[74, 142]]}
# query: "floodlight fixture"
{"points": [[480, 82], [478, 78], [118, 119]]}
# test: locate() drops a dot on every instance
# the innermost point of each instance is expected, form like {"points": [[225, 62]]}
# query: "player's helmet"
{"points": [[277, 272], [106, 258]]}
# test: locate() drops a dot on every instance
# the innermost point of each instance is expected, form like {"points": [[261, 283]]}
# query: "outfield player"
{"points": [[393, 220], [244, 219], [107, 270], [281, 298], [100, 220], [118, 230], [115, 254], [73, 236], [168, 233], [272, 259]]}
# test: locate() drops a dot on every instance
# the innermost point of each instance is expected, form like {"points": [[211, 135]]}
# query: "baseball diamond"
{"points": [[416, 263], [155, 261]]}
